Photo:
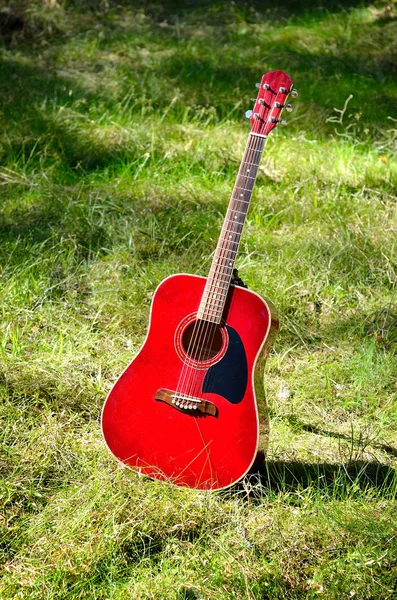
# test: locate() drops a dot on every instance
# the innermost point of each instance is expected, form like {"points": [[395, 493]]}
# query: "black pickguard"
{"points": [[229, 376]]}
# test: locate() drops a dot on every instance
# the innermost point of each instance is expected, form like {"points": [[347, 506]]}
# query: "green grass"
{"points": [[121, 131]]}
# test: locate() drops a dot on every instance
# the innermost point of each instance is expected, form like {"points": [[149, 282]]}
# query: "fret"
{"points": [[245, 170], [213, 274], [235, 209], [220, 268], [217, 285], [220, 259], [212, 292], [231, 223], [206, 318], [231, 236], [216, 297], [247, 176], [215, 293], [216, 305], [254, 147], [227, 240], [238, 187], [214, 282], [215, 314], [236, 217], [218, 312], [240, 212], [250, 163], [240, 200], [232, 231], [231, 242], [216, 260], [224, 259], [214, 287]]}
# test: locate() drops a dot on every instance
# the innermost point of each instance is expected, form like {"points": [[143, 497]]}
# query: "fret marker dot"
{"points": [[230, 236], [230, 264], [235, 216], [241, 194]]}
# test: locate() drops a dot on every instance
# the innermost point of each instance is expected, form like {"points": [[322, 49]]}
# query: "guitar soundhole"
{"points": [[202, 340]]}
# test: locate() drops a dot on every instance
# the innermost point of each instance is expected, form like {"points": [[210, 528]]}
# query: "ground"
{"points": [[121, 131]]}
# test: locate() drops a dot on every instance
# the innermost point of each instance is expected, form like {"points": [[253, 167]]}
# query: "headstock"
{"points": [[272, 96]]}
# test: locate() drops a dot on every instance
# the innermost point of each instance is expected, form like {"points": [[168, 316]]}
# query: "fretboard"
{"points": [[218, 281]]}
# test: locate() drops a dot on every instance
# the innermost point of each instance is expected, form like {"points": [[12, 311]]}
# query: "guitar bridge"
{"points": [[185, 403]]}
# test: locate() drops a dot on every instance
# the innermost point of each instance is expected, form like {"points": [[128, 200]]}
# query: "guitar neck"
{"points": [[218, 281]]}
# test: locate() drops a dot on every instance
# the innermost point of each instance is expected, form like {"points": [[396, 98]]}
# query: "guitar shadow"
{"points": [[330, 479]]}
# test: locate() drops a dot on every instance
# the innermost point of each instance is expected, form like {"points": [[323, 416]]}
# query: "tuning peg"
{"points": [[253, 99], [258, 85], [248, 114], [289, 107], [283, 121], [294, 93]]}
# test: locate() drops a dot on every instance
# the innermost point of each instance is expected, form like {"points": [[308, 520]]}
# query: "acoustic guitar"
{"points": [[185, 409]]}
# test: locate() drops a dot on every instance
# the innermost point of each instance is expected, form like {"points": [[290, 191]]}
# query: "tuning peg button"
{"points": [[258, 85], [248, 114], [283, 121], [289, 107], [294, 93]]}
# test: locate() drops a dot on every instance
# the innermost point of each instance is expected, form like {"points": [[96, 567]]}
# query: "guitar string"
{"points": [[236, 204], [258, 148], [203, 335], [205, 328], [200, 325], [204, 332]]}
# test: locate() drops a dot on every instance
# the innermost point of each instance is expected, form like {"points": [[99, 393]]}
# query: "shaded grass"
{"points": [[120, 140]]}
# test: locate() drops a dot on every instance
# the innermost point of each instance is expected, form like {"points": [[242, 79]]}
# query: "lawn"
{"points": [[121, 131]]}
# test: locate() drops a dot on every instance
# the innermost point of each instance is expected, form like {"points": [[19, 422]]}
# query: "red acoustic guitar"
{"points": [[185, 409]]}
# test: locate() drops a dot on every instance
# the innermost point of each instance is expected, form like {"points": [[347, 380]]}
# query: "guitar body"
{"points": [[211, 449]]}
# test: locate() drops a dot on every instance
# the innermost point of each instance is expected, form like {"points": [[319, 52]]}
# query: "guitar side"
{"points": [[204, 450]]}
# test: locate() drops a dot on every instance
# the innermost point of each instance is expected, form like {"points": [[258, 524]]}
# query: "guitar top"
{"points": [[185, 409]]}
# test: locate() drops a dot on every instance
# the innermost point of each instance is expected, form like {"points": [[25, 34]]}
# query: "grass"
{"points": [[121, 132]]}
